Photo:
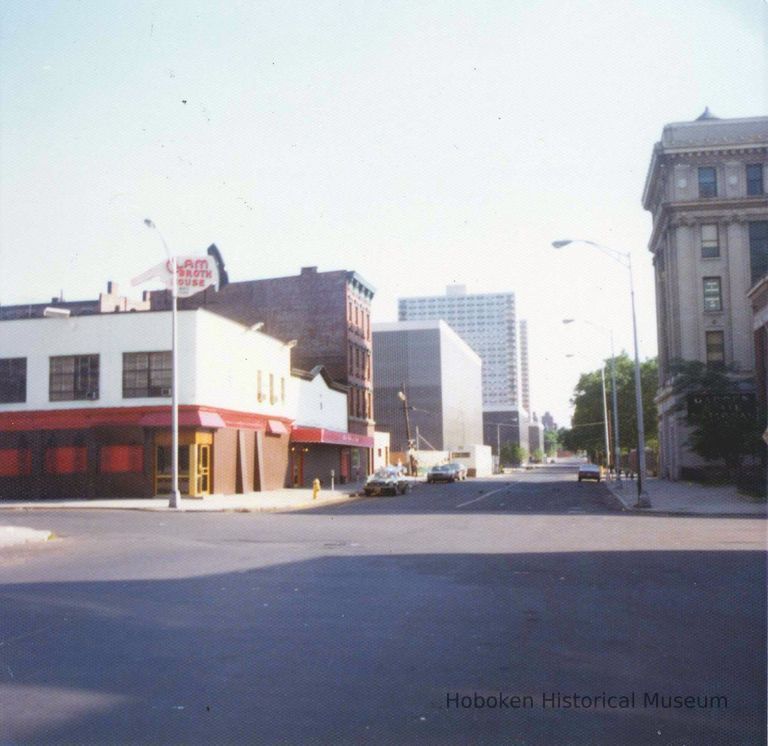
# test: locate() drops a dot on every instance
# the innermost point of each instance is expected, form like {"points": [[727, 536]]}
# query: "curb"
{"points": [[165, 509]]}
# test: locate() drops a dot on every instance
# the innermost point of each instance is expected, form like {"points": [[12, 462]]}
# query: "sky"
{"points": [[420, 144]]}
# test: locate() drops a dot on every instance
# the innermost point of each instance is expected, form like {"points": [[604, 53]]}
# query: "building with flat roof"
{"points": [[440, 375], [85, 408], [705, 190], [328, 314], [488, 323]]}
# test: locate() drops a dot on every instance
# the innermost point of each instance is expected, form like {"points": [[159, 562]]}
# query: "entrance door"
{"points": [[164, 470], [203, 475]]}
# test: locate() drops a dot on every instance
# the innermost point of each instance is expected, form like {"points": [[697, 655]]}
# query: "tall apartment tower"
{"points": [[525, 379], [487, 322], [705, 189], [325, 316]]}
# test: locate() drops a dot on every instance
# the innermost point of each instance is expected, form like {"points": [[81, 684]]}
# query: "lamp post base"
{"points": [[643, 501], [174, 501]]}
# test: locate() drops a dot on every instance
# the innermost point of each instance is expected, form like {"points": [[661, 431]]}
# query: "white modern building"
{"points": [[705, 189], [439, 374], [488, 323]]}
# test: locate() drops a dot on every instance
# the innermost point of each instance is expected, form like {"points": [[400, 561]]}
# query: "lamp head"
{"points": [[569, 321], [401, 396], [149, 223], [561, 243]]}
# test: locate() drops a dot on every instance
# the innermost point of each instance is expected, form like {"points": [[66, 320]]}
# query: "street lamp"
{"points": [[411, 459], [616, 440], [625, 259], [174, 501]]}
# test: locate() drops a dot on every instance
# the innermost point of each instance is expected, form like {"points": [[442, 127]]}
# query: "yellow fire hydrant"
{"points": [[315, 487]]}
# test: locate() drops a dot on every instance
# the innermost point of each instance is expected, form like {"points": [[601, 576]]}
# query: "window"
{"points": [[147, 374], [710, 246], [272, 399], [755, 179], [713, 300], [758, 249], [74, 378], [707, 181], [715, 348], [282, 390], [13, 379], [259, 387]]}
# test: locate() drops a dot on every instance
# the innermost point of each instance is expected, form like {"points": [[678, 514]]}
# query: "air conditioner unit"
{"points": [[165, 392]]}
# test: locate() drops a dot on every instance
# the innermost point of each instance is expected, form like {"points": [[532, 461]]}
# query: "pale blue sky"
{"points": [[417, 143]]}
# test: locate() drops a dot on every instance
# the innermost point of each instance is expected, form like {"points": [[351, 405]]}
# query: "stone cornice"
{"points": [[730, 210]]}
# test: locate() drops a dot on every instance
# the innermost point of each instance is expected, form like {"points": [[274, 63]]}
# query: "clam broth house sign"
{"points": [[193, 275]]}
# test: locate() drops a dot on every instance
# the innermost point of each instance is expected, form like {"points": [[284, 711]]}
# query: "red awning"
{"points": [[186, 419], [275, 427], [330, 437]]}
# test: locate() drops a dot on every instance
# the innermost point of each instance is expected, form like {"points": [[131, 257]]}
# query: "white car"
{"points": [[590, 471]]}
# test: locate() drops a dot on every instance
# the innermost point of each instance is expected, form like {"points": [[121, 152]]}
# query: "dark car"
{"points": [[590, 471], [442, 473], [387, 481]]}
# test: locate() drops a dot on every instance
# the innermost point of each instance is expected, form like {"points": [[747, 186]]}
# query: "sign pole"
{"points": [[175, 498], [198, 273]]}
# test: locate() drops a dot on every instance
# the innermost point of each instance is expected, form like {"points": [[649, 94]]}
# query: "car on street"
{"points": [[386, 481], [590, 471], [460, 469], [442, 473]]}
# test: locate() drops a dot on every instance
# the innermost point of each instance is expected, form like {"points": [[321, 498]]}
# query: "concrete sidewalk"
{"points": [[11, 536], [687, 498], [272, 500]]}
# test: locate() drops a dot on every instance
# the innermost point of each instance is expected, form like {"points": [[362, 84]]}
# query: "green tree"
{"points": [[723, 428], [551, 442], [588, 429], [512, 454]]}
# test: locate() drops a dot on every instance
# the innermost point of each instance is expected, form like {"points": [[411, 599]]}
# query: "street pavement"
{"points": [[388, 620]]}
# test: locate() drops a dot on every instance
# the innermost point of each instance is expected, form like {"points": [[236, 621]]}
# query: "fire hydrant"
{"points": [[315, 487]]}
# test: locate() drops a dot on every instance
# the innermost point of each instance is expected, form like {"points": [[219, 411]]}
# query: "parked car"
{"points": [[386, 481], [590, 471], [460, 469], [442, 473]]}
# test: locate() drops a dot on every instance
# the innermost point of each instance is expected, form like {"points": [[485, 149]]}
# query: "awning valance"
{"points": [[330, 437], [199, 418]]}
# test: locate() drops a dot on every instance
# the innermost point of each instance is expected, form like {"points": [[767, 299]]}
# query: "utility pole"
{"points": [[411, 465]]}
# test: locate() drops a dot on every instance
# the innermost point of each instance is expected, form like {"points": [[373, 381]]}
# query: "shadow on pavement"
{"points": [[354, 648]]}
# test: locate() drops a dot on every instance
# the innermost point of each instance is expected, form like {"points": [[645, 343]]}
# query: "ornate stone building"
{"points": [[705, 189]]}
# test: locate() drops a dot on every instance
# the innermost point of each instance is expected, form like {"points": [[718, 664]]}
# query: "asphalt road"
{"points": [[388, 620]]}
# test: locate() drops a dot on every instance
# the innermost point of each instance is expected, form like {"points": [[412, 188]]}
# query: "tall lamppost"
{"points": [[605, 417], [174, 501], [614, 401], [625, 259]]}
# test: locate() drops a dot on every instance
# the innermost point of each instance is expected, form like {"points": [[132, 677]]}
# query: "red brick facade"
{"points": [[327, 313]]}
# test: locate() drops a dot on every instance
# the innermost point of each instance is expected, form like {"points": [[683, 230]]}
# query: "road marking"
{"points": [[482, 497]]}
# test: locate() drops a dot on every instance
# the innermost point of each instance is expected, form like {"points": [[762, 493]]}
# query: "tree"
{"points": [[512, 454], [726, 425], [551, 442], [588, 429]]}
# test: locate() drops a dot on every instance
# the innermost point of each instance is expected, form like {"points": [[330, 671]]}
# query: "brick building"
{"points": [[328, 314]]}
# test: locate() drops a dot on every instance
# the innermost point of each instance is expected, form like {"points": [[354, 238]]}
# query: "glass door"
{"points": [[164, 470], [203, 471]]}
